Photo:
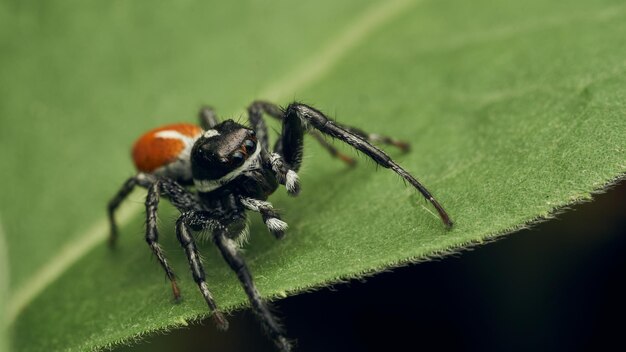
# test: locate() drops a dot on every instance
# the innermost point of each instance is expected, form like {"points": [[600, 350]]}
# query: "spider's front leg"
{"points": [[257, 108], [271, 219], [284, 174], [255, 113], [298, 117], [229, 250]]}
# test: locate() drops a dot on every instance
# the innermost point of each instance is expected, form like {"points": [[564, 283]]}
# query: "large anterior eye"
{"points": [[237, 158], [249, 145]]}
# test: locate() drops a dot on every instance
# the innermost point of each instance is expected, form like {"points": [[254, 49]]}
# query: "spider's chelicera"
{"points": [[233, 170]]}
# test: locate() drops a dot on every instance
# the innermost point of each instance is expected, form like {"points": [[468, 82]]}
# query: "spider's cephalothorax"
{"points": [[214, 174], [229, 152]]}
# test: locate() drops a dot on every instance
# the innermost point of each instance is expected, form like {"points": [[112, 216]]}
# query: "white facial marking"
{"points": [[211, 133], [252, 163]]}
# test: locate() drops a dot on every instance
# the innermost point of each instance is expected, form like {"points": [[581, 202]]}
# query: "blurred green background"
{"points": [[512, 108]]}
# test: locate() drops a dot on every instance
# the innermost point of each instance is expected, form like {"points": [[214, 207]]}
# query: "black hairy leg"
{"points": [[200, 221], [255, 117], [141, 180], [283, 170], [270, 217], [228, 248], [300, 116], [284, 175], [171, 190], [152, 234], [177, 194], [120, 196], [377, 138], [207, 117], [255, 113]]}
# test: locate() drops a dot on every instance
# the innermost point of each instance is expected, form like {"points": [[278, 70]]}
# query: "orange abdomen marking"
{"points": [[164, 145]]}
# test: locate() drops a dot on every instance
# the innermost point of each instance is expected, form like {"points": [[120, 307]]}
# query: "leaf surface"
{"points": [[513, 109]]}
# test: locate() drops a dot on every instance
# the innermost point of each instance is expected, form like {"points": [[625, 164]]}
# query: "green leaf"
{"points": [[514, 109], [4, 291]]}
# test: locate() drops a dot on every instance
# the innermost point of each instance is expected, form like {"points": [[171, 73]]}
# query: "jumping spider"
{"points": [[232, 170]]}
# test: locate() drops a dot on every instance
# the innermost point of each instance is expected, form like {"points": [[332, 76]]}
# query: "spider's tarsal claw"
{"points": [[175, 291], [346, 159], [220, 321], [279, 234], [449, 223], [405, 147], [283, 344], [445, 218], [113, 240]]}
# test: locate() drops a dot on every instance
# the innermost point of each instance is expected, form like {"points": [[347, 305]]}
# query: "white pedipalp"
{"points": [[276, 225], [255, 204], [293, 182]]}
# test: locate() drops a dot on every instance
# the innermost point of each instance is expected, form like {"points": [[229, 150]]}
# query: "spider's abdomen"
{"points": [[165, 151]]}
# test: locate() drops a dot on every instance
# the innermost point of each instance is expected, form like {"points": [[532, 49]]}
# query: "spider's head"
{"points": [[222, 154]]}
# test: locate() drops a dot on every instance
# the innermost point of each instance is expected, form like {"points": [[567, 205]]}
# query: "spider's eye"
{"points": [[249, 145], [237, 158], [252, 133]]}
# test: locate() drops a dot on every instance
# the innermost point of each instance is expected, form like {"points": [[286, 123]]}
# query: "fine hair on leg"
{"points": [[120, 196], [377, 138], [184, 236], [256, 110], [255, 117], [228, 249], [270, 217], [141, 180], [152, 235], [285, 176], [306, 116]]}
